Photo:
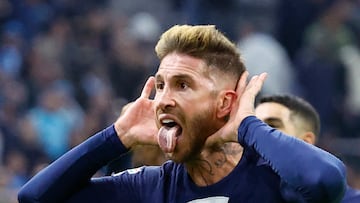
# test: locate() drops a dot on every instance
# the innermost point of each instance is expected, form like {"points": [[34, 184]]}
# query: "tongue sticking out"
{"points": [[167, 138]]}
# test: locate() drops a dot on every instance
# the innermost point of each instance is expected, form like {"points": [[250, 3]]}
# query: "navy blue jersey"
{"points": [[351, 196], [274, 168]]}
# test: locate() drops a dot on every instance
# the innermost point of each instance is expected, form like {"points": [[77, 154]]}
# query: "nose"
{"points": [[164, 99]]}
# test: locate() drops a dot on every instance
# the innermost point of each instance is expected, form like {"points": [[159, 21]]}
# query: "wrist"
{"points": [[124, 135], [244, 127]]}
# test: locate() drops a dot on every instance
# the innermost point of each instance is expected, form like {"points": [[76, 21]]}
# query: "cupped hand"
{"points": [[136, 125], [242, 108]]}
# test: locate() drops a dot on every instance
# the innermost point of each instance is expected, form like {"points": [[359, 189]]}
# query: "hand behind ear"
{"points": [[137, 124], [242, 108]]}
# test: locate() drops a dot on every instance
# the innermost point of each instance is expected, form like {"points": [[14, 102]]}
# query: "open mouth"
{"points": [[169, 123], [168, 135]]}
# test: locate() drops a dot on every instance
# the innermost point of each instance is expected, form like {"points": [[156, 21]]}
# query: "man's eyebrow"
{"points": [[177, 77], [182, 77]]}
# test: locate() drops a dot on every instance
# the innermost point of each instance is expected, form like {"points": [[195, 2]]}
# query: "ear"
{"points": [[225, 102], [309, 137]]}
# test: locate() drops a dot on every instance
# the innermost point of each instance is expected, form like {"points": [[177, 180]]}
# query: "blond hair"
{"points": [[204, 42]]}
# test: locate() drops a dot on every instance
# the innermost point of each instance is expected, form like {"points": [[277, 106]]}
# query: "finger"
{"points": [[149, 85], [240, 88], [125, 108], [263, 77], [259, 82], [242, 82]]}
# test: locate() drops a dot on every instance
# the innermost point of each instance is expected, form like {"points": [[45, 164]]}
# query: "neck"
{"points": [[214, 164]]}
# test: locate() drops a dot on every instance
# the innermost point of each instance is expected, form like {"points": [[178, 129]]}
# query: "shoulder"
{"points": [[151, 171], [351, 195], [148, 177]]}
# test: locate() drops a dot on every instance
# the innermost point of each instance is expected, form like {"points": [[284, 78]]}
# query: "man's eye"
{"points": [[159, 86], [183, 85], [273, 125]]}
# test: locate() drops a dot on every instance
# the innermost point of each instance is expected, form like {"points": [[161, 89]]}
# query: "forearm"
{"points": [[73, 170], [318, 175]]}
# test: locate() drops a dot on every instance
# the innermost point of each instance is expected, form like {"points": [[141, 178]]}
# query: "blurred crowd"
{"points": [[68, 67]]}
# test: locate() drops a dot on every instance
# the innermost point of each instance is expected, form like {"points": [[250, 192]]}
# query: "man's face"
{"points": [[277, 116], [185, 105]]}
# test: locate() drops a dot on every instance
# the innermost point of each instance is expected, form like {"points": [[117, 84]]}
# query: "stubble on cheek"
{"points": [[198, 130]]}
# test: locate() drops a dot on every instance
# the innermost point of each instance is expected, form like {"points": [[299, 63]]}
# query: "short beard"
{"points": [[202, 128]]}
